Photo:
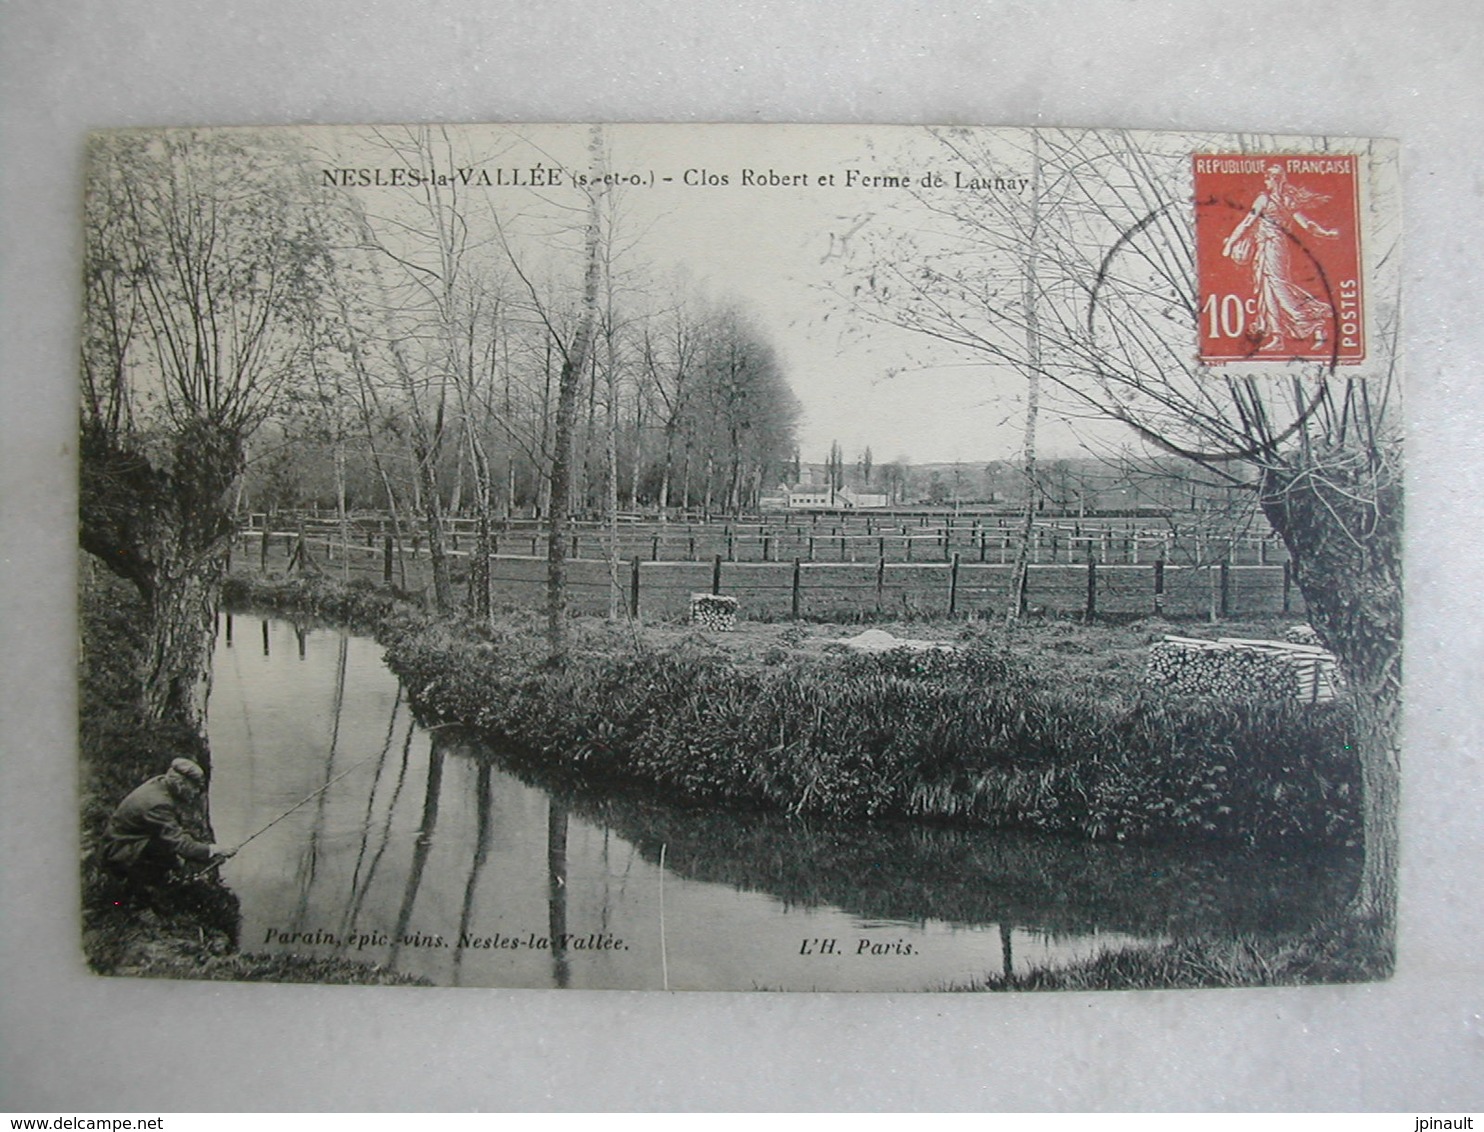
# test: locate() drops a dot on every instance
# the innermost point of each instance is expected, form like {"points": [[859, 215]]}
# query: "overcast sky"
{"points": [[780, 221], [749, 215]]}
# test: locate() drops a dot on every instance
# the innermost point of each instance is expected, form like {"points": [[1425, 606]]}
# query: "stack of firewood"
{"points": [[713, 611], [1234, 668], [1301, 635]]}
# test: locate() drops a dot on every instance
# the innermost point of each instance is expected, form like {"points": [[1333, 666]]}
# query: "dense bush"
{"points": [[966, 736], [359, 604], [972, 735]]}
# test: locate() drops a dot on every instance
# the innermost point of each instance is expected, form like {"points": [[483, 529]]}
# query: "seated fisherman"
{"points": [[147, 837]]}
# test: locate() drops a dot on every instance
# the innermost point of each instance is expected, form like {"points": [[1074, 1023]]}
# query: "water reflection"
{"points": [[364, 872], [556, 889], [428, 854], [912, 872], [483, 827]]}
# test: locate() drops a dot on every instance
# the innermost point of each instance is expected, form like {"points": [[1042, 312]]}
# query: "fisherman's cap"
{"points": [[188, 770]]}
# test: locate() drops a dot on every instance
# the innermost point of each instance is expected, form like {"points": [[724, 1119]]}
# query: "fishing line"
{"points": [[302, 801], [308, 798]]}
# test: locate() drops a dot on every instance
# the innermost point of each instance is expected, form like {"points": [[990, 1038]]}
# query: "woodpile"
{"points": [[713, 611], [1302, 635], [1237, 668]]}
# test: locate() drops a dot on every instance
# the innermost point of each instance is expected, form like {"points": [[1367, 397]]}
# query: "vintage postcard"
{"points": [[740, 557]]}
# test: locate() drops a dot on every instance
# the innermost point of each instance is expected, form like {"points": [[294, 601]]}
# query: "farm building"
{"points": [[812, 497]]}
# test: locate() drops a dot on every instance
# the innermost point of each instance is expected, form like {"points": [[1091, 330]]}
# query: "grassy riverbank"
{"points": [[1040, 727], [1334, 952], [187, 930]]}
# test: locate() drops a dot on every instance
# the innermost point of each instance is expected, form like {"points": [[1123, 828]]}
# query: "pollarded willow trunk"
{"points": [[1341, 520], [176, 654], [160, 516]]}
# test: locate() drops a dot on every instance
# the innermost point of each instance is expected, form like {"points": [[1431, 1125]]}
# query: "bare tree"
{"points": [[575, 360], [671, 346], [423, 255], [1101, 306], [752, 411], [203, 266]]}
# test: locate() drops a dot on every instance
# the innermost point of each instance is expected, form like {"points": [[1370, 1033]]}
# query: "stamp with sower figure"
{"points": [[1278, 256]]}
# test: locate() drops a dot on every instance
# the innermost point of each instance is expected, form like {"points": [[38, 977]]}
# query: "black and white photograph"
{"points": [[740, 557]]}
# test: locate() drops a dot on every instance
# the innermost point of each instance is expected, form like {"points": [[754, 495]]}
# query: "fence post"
{"points": [[767, 547], [1092, 588], [716, 574], [1287, 587], [634, 587], [263, 556], [880, 576], [654, 549], [300, 555], [953, 586], [1226, 588], [798, 577], [1159, 586], [386, 561]]}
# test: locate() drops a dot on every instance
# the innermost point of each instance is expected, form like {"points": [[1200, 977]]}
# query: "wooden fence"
{"points": [[959, 586], [853, 538]]}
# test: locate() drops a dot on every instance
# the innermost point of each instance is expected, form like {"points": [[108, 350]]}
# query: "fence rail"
{"points": [[768, 589], [838, 538]]}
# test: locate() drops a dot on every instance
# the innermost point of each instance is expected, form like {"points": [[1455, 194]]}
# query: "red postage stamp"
{"points": [[1278, 258]]}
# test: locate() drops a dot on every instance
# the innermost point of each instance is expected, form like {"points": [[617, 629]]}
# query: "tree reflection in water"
{"points": [[515, 845], [421, 846], [482, 830], [912, 872], [556, 899]]}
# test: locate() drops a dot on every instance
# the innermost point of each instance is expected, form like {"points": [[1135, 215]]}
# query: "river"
{"points": [[420, 851]]}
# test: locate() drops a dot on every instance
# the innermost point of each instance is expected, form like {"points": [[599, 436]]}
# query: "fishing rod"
{"points": [[302, 801]]}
